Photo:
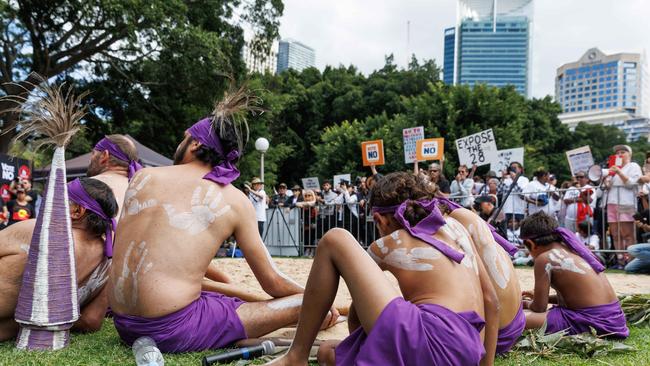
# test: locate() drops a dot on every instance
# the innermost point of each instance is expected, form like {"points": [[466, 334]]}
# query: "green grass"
{"points": [[105, 348]]}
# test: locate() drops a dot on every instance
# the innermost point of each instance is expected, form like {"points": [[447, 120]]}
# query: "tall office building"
{"points": [[606, 89], [295, 55], [261, 63], [491, 44]]}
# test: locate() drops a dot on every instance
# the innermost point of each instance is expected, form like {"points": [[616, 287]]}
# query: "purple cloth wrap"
{"points": [[570, 240], [78, 194], [408, 334], [503, 242], [605, 319], [106, 144], [509, 335], [427, 227], [209, 322], [226, 171]]}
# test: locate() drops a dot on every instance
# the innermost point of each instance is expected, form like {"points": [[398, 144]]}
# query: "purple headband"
{"points": [[78, 194], [226, 171], [106, 144], [503, 242], [570, 240], [426, 228]]}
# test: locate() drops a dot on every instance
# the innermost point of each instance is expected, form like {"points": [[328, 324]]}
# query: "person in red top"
{"points": [[19, 209]]}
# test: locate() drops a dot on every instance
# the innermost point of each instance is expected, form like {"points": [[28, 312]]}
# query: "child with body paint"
{"points": [[585, 299], [430, 322], [495, 252]]}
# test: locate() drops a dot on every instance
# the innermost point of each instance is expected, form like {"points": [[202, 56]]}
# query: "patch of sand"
{"points": [[298, 270]]}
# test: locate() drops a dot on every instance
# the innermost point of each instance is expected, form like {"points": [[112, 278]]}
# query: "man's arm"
{"points": [[272, 281], [539, 304], [213, 273], [92, 315]]}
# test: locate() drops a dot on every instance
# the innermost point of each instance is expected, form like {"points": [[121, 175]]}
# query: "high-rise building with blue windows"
{"points": [[490, 44], [606, 89], [295, 55]]}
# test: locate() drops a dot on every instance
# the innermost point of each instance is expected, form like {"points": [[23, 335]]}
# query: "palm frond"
{"points": [[233, 108], [51, 114]]}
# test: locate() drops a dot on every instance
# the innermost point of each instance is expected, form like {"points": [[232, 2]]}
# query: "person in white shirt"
{"points": [[621, 200], [577, 196], [461, 188], [586, 236], [536, 193], [258, 197], [514, 205]]}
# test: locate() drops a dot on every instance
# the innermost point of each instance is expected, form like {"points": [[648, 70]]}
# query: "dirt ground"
{"points": [[298, 269]]}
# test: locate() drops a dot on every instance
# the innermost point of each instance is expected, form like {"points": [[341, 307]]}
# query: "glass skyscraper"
{"points": [[490, 44], [295, 55]]}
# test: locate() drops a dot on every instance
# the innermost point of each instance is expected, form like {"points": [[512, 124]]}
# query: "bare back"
{"points": [[173, 223], [425, 275], [497, 262], [118, 184], [577, 284], [14, 247]]}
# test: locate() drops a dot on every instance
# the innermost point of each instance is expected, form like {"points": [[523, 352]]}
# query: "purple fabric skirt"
{"points": [[509, 334], [209, 322], [408, 334], [605, 319]]}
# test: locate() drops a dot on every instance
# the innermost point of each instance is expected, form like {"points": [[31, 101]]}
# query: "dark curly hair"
{"points": [[540, 228], [395, 188], [104, 196]]}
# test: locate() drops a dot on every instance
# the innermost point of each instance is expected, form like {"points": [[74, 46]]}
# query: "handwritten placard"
{"points": [[411, 136], [505, 157], [311, 183], [580, 159], [479, 148]]}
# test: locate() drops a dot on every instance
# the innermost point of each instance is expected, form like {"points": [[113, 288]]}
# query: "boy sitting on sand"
{"points": [[584, 299]]}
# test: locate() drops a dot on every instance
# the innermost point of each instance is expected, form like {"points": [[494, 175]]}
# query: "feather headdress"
{"points": [[47, 304]]}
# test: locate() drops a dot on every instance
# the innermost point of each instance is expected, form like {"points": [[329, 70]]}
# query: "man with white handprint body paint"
{"points": [[162, 251], [114, 161]]}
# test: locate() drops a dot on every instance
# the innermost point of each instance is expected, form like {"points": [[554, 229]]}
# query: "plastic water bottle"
{"points": [[146, 353]]}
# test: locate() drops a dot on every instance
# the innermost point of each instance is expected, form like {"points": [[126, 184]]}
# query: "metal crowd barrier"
{"points": [[296, 231]]}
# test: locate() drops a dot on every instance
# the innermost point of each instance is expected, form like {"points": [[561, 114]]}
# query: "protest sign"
{"points": [[311, 183], [372, 152], [430, 149], [338, 178], [580, 159], [505, 157], [479, 148], [411, 136]]}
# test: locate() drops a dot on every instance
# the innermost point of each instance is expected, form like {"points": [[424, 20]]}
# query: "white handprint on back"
{"points": [[202, 214], [131, 203]]}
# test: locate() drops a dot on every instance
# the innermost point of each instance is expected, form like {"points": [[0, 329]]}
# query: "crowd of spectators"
{"points": [[20, 202], [606, 214]]}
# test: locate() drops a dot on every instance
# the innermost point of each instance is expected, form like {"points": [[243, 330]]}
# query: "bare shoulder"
{"points": [[17, 237]]}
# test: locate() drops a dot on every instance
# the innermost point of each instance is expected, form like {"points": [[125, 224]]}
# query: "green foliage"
{"points": [[586, 345], [636, 309]]}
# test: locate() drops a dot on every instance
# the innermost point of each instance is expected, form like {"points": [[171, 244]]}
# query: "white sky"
{"points": [[361, 32]]}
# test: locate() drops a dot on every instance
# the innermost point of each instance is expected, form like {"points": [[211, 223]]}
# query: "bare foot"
{"points": [[287, 359]]}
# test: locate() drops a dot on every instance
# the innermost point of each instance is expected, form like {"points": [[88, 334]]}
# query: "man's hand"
{"points": [[330, 319]]}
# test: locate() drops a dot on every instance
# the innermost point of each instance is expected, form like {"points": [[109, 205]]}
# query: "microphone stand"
{"points": [[496, 212]]}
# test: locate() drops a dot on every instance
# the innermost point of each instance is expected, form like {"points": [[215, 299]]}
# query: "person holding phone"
{"points": [[621, 200]]}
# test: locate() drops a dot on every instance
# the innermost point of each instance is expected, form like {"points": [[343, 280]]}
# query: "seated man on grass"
{"points": [[178, 218], [585, 299], [446, 298], [91, 255], [495, 253]]}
